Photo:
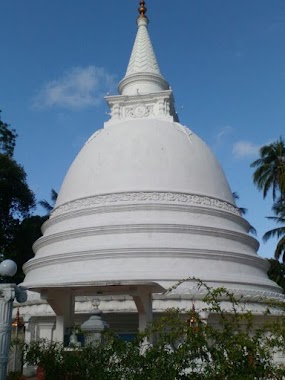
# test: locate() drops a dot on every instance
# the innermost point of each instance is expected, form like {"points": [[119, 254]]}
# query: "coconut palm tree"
{"points": [[270, 169], [276, 272], [46, 205], [243, 211], [279, 232]]}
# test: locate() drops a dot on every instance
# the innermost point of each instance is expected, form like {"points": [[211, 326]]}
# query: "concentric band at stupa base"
{"points": [[145, 228], [80, 268], [185, 291], [145, 197], [244, 295], [127, 253]]}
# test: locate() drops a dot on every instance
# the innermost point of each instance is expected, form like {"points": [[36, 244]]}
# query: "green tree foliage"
{"points": [[7, 139], [270, 169], [276, 272], [270, 174], [182, 348], [278, 232], [243, 211], [48, 207], [16, 198], [20, 249]]}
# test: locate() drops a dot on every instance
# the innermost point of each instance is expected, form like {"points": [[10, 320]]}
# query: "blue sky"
{"points": [[225, 61]]}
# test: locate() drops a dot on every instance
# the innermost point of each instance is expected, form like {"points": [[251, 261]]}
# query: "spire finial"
{"points": [[142, 9]]}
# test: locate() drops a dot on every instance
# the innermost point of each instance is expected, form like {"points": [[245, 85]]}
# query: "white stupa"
{"points": [[145, 201]]}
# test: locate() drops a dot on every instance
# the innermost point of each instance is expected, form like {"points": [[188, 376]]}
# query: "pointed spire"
{"points": [[143, 74]]}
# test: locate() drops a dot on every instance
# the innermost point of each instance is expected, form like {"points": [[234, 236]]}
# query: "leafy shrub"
{"points": [[180, 349]]}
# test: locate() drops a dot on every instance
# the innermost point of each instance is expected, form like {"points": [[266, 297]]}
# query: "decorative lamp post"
{"points": [[18, 333], [8, 292]]}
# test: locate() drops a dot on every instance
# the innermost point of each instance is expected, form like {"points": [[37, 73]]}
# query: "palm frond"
{"points": [[49, 206], [243, 210], [53, 195], [252, 230], [45, 204], [275, 232], [276, 219], [280, 250], [235, 195]]}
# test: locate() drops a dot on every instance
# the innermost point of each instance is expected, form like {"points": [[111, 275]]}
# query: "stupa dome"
{"points": [[145, 200], [144, 155]]}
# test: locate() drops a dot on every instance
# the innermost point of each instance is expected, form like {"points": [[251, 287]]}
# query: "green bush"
{"points": [[180, 349], [15, 376]]}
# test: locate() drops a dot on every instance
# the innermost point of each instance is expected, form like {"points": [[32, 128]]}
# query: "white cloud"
{"points": [[223, 133], [78, 88], [243, 149]]}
